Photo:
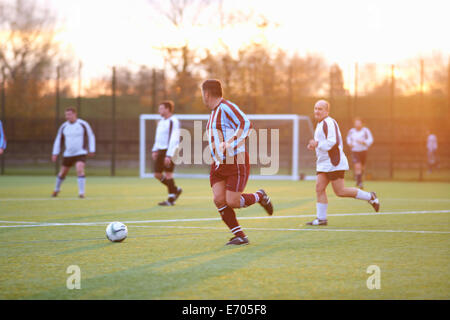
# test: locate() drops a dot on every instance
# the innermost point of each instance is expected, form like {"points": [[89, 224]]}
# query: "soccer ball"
{"points": [[116, 231]]}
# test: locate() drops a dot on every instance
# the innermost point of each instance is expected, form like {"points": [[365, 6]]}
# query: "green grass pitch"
{"points": [[178, 252]]}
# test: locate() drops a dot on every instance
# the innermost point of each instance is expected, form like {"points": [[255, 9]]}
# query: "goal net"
{"points": [[276, 145]]}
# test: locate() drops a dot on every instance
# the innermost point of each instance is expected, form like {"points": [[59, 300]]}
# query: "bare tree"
{"points": [[28, 50]]}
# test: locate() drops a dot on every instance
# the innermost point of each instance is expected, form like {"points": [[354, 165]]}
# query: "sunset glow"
{"points": [[104, 33]]}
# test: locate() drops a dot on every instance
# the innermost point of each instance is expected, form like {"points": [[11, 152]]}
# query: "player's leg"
{"points": [[236, 183], [357, 167], [227, 214], [174, 191], [80, 166], [60, 179], [322, 200], [340, 190], [158, 169], [358, 174]]}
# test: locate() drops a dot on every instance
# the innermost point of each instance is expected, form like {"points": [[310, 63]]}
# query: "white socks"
{"points": [[59, 181], [81, 184], [321, 210], [363, 195]]}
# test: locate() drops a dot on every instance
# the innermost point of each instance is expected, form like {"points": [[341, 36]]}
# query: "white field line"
{"points": [[300, 229], [204, 198], [55, 224]]}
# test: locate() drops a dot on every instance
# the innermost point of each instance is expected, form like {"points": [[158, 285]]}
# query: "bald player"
{"points": [[331, 164]]}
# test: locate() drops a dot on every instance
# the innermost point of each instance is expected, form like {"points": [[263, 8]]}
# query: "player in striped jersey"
{"points": [[167, 139], [359, 139], [77, 137], [2, 139], [228, 128], [331, 164]]}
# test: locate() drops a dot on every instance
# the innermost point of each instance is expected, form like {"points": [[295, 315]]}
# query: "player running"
{"points": [[78, 139], [359, 139], [227, 129], [2, 139], [167, 139], [331, 164]]}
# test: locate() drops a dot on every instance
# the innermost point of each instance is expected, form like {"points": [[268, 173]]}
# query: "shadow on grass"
{"points": [[150, 282]]}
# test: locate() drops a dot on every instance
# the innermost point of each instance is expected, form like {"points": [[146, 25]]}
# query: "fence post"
{"points": [[3, 102], [391, 126], [113, 142], [80, 65], [154, 88], [356, 91], [421, 106], [57, 103]]}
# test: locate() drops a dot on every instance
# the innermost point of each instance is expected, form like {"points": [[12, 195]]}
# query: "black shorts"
{"points": [[334, 175], [158, 164], [70, 161], [359, 157]]}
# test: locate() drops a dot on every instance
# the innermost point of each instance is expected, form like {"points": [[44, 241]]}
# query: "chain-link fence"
{"points": [[399, 104]]}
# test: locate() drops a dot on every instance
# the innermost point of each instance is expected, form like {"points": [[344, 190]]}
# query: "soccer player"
{"points": [[331, 164], [359, 139], [2, 139], [432, 145], [167, 139], [227, 129], [76, 136]]}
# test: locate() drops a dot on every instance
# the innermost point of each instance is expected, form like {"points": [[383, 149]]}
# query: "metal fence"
{"points": [[398, 121]]}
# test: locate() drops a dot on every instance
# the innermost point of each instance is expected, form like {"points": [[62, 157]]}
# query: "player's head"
{"points": [[321, 110], [211, 92], [166, 108], [71, 114], [358, 123]]}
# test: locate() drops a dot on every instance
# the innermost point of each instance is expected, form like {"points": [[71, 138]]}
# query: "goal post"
{"points": [[285, 135]]}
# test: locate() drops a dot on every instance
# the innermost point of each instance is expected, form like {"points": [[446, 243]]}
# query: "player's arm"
{"points": [[174, 139], [2, 139], [330, 138], [349, 138], [242, 130], [154, 148], [57, 144], [91, 139], [369, 139]]}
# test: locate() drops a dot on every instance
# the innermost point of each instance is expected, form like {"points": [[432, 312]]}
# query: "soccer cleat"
{"points": [[360, 185], [166, 203], [177, 194], [238, 241], [317, 222], [265, 202], [55, 194], [374, 201], [81, 196]]}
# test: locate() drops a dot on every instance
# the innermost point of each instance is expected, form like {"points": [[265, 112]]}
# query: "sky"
{"points": [[103, 33]]}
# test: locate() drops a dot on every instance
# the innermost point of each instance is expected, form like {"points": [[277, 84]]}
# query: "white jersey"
{"points": [[330, 150], [77, 138], [432, 144], [167, 135], [359, 140]]}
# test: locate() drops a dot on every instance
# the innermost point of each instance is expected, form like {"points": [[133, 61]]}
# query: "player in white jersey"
{"points": [[359, 139], [167, 139], [2, 139], [432, 145], [331, 164], [78, 140]]}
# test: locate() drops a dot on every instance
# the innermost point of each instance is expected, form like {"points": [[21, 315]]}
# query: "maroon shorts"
{"points": [[234, 174]]}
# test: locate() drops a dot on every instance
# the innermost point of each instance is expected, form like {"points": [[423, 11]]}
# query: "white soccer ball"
{"points": [[116, 231]]}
